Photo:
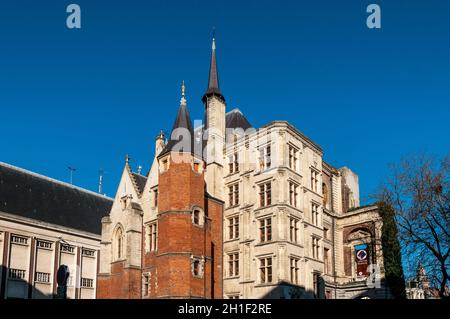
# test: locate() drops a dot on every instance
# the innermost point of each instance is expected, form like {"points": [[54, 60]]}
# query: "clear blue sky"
{"points": [[87, 97]]}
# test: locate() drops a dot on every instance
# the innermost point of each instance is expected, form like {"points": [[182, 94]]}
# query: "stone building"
{"points": [[45, 223], [232, 211], [420, 287]]}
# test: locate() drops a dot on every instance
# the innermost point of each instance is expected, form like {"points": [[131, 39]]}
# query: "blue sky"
{"points": [[85, 98]]}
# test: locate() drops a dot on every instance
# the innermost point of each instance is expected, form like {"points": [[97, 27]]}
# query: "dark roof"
{"points": [[34, 196], [140, 182], [213, 80], [235, 119], [182, 121]]}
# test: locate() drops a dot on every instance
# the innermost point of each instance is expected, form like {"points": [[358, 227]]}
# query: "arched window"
{"points": [[118, 243]]}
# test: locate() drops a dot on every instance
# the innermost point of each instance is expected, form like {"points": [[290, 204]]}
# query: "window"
{"points": [[16, 273], [42, 277], [152, 230], [67, 249], [119, 243], [265, 269], [197, 166], [155, 198], [19, 240], [265, 157], [293, 194], [233, 227], [314, 180], [197, 217], [293, 158], [294, 269], [315, 247], [315, 214], [293, 229], [44, 244], [233, 163], [265, 194], [326, 260], [197, 267], [88, 252], [87, 283], [145, 284], [265, 229], [233, 195], [165, 164], [233, 264], [316, 283], [325, 233]]}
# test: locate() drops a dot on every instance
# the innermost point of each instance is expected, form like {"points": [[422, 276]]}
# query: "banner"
{"points": [[362, 260]]}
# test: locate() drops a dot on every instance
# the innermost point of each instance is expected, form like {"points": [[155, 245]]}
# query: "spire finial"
{"points": [[127, 158], [183, 94], [213, 81]]}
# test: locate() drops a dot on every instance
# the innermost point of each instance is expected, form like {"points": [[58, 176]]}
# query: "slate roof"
{"points": [[235, 119], [213, 80], [182, 121], [34, 196], [140, 182]]}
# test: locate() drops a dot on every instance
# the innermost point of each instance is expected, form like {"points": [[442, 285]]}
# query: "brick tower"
{"points": [[184, 261], [164, 235]]}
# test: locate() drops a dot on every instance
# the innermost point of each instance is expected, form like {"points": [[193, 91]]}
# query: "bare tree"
{"points": [[418, 189]]}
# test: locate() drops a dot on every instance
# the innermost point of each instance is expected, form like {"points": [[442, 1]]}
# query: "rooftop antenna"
{"points": [[71, 170], [100, 181]]}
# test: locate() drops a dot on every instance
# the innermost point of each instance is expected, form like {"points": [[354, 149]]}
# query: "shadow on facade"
{"points": [[375, 293], [19, 288], [286, 290]]}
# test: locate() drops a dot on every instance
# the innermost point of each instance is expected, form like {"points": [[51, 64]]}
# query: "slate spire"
{"points": [[182, 137], [213, 80]]}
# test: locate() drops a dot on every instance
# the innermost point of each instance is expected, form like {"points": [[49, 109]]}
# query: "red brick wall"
{"points": [[122, 283], [180, 189], [215, 213]]}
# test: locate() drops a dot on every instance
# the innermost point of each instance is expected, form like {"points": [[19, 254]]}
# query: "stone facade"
{"points": [[37, 235], [276, 221]]}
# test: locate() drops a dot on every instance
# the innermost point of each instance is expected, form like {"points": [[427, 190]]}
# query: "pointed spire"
{"points": [[213, 80], [182, 125]]}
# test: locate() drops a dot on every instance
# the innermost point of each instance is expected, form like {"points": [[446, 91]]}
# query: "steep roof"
{"points": [[139, 182], [235, 119], [34, 196], [213, 80], [182, 122]]}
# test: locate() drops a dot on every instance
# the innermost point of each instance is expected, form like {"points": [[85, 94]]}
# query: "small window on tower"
{"points": [[197, 216], [165, 164], [197, 266]]}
